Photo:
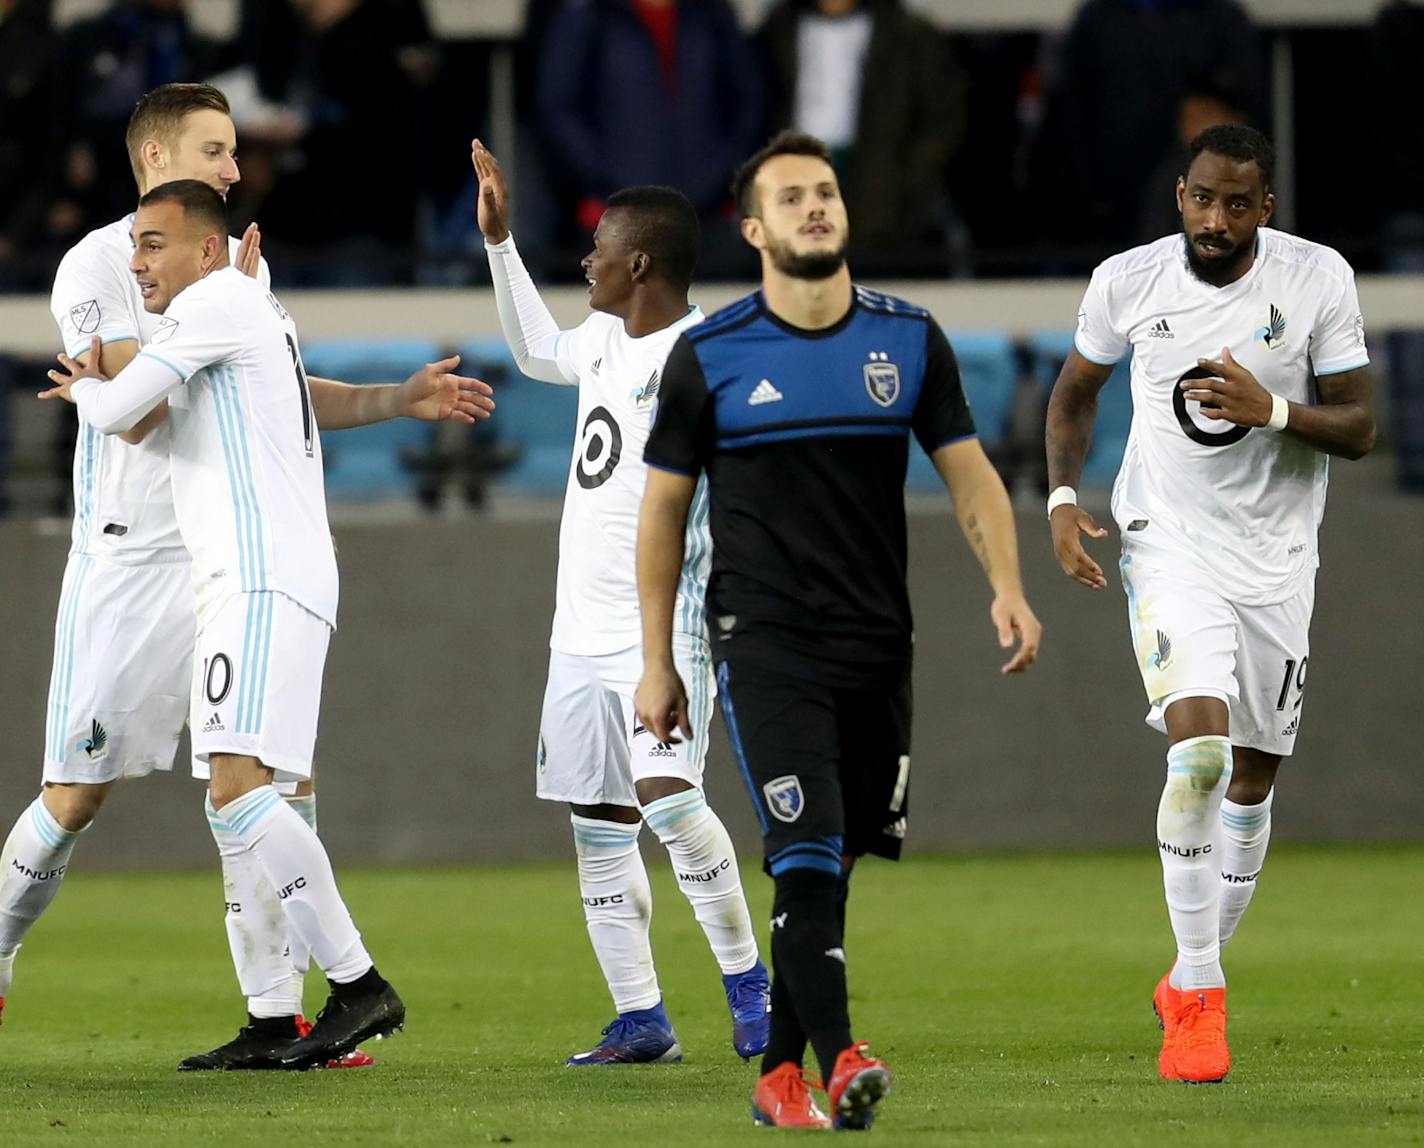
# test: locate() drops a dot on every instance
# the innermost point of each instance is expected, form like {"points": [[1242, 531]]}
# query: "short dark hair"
{"points": [[786, 142], [157, 116], [1240, 143], [664, 225], [198, 201]]}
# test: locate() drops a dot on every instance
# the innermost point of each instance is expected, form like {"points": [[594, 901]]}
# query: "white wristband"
{"points": [[1280, 414], [1063, 496]]}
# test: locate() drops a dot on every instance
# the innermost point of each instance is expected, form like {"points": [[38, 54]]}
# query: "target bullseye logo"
{"points": [[1196, 431], [600, 448]]}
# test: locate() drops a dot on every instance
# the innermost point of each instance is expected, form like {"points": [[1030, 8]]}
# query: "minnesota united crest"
{"points": [[645, 396], [1273, 334], [882, 379], [1163, 654], [96, 745]]}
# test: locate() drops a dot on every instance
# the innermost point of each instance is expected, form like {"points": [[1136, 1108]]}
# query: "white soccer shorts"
{"points": [[256, 689], [1191, 641], [592, 748], [123, 651]]}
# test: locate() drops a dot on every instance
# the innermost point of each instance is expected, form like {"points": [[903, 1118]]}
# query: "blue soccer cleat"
{"points": [[749, 999], [641, 1036]]}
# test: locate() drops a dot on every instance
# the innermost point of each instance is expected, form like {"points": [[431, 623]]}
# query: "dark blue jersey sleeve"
{"points": [[683, 432], [942, 415]]}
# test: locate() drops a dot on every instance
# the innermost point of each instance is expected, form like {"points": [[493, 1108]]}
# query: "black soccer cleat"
{"points": [[351, 1015], [258, 1045]]}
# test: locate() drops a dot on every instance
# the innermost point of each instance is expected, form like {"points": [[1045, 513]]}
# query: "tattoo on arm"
{"points": [[976, 539]]}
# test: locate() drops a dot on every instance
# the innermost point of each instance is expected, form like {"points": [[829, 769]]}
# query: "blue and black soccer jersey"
{"points": [[804, 437]]}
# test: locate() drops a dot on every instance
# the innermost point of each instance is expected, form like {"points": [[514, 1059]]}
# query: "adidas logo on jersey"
{"points": [[1160, 330], [214, 724], [763, 393]]}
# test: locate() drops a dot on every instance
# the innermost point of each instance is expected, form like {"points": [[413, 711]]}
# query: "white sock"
{"points": [[299, 870], [618, 908], [1188, 837], [705, 865], [256, 926], [32, 865], [1245, 834], [305, 805]]}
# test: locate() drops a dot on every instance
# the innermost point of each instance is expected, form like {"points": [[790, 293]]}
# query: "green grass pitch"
{"points": [[1010, 994]]}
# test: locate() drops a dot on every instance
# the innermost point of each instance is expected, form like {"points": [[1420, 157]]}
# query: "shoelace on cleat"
{"points": [[747, 995], [620, 1029]]}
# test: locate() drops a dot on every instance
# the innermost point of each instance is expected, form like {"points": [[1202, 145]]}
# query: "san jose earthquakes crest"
{"points": [[784, 797], [882, 379]]}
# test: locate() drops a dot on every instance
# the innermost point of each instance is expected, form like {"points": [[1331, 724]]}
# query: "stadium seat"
{"points": [[370, 462], [1047, 350], [988, 368], [535, 418]]}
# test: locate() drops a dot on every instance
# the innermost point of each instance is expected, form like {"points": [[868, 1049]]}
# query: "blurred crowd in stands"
{"points": [[960, 155]]}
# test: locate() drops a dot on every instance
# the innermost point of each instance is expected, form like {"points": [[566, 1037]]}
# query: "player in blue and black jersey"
{"points": [[798, 403]]}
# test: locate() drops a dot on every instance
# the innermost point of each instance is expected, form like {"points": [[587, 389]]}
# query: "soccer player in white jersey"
{"points": [[1249, 368], [124, 638], [593, 752], [249, 498]]}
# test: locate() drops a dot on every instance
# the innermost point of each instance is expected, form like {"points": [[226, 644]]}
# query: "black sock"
{"points": [[368, 983], [786, 1040], [273, 1025], [806, 948]]}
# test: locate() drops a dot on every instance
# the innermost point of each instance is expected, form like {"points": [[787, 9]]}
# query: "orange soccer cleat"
{"points": [[1194, 1046], [858, 1082], [783, 1100]]}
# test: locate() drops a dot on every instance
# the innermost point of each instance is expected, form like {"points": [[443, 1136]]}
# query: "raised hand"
{"points": [[72, 371], [493, 209], [1233, 394], [249, 252], [1067, 523], [434, 393]]}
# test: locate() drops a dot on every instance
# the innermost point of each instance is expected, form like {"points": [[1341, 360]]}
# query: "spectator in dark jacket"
{"points": [[882, 88], [29, 152], [648, 92], [1112, 108]]}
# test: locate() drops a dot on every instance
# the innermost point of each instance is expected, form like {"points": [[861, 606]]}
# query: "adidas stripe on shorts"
{"points": [[256, 684], [123, 648], [592, 748], [1189, 640]]}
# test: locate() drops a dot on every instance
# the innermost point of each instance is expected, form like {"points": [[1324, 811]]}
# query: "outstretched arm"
{"points": [[527, 323], [987, 518], [1071, 410], [434, 393]]}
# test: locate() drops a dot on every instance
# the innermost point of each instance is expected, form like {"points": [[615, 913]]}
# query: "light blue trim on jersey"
{"points": [[252, 557], [1342, 370], [102, 343], [1094, 358], [171, 366], [692, 583], [63, 674], [86, 452], [256, 651]]}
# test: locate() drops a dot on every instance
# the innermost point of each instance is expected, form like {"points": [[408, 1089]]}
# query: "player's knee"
{"points": [[652, 789], [1195, 769], [74, 806]]}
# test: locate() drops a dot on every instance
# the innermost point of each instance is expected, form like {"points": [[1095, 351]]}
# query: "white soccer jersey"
{"points": [[1242, 504], [597, 598], [123, 496], [246, 459]]}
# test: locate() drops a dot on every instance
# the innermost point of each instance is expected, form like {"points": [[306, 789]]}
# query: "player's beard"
{"points": [[815, 265], [1224, 268]]}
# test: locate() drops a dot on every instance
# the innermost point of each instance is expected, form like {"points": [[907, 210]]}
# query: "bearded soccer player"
{"points": [[249, 499], [124, 638], [1249, 369], [798, 404], [593, 753]]}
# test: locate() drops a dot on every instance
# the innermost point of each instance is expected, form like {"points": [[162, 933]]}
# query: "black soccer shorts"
{"points": [[821, 763]]}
